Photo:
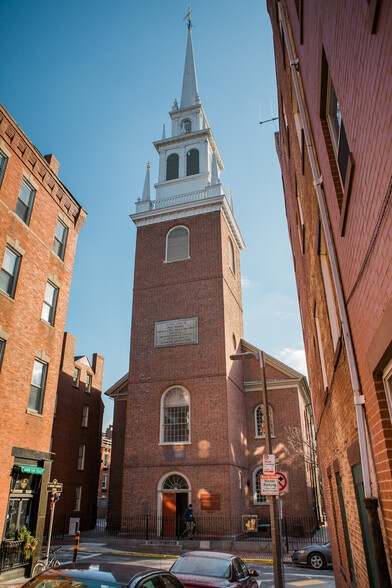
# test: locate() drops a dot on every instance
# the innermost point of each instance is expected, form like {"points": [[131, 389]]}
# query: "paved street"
{"points": [[294, 576]]}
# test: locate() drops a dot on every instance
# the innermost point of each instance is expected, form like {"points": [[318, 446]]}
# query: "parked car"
{"points": [[91, 574], [213, 569], [316, 556]]}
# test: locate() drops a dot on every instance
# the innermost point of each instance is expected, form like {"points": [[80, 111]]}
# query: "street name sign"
{"points": [[54, 486]]}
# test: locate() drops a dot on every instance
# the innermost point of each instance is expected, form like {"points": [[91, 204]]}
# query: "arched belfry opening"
{"points": [[173, 497]]}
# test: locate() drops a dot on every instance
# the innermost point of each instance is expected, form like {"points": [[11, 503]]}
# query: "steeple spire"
{"points": [[146, 189], [190, 94]]}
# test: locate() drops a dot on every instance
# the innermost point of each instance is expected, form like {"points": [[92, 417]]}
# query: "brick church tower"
{"points": [[177, 439]]}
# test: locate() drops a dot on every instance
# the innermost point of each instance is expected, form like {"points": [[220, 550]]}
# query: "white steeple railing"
{"points": [[178, 199]]}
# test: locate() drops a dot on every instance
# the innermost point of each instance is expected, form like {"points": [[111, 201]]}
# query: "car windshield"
{"points": [[202, 566]]}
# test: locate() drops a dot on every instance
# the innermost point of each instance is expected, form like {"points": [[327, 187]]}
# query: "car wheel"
{"points": [[316, 560]]}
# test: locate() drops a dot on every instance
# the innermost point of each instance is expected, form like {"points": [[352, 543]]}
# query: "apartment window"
{"points": [[192, 162], [341, 160], [86, 410], [9, 271], [104, 481], [60, 239], [2, 348], [76, 377], [329, 293], [24, 204], [387, 380], [3, 165], [88, 382], [258, 497], [105, 460], [82, 452], [172, 166], [175, 415], [231, 257], [320, 352], [37, 388], [300, 224], [177, 244], [78, 498], [260, 430], [50, 302]]}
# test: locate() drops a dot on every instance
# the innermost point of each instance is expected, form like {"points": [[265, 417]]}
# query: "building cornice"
{"points": [[202, 206]]}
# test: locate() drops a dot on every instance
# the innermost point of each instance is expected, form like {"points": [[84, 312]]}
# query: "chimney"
{"points": [[54, 164]]}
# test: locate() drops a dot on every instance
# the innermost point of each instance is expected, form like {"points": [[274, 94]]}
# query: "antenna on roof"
{"points": [[187, 18]]}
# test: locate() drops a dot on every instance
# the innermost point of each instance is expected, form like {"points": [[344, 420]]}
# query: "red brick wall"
{"points": [[20, 318], [359, 64]]}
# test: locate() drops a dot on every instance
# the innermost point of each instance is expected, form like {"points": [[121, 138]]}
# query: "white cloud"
{"points": [[294, 358], [246, 283]]}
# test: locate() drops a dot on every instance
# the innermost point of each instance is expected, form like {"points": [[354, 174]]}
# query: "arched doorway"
{"points": [[173, 498]]}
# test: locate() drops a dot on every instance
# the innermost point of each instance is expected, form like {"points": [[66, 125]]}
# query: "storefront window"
{"points": [[25, 482]]}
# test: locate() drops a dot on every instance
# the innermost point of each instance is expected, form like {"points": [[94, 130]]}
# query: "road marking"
{"points": [[305, 583]]}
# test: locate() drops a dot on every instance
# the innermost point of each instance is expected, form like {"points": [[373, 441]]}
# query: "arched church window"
{"points": [[175, 416], [258, 497], [177, 244], [192, 162], [172, 164], [175, 482], [231, 257], [186, 125], [260, 421]]}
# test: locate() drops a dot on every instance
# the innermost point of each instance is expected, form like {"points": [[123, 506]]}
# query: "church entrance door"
{"points": [[174, 502]]}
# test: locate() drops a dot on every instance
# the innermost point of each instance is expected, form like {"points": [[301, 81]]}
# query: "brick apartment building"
{"points": [[334, 77], [188, 421], [104, 473], [40, 221], [76, 437]]}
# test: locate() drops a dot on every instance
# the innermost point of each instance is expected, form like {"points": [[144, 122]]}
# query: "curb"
{"points": [[166, 555]]}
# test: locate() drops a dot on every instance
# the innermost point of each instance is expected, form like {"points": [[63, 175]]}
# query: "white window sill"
{"points": [[175, 260], [32, 412], [7, 296], [168, 444], [264, 437], [46, 323]]}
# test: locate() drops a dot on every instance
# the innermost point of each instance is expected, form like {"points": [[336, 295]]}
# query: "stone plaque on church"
{"points": [[177, 332]]}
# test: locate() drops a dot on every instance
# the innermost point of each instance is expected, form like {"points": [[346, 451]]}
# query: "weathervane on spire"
{"points": [[187, 17]]}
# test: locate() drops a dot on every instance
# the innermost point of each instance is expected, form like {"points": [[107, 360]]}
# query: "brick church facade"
{"points": [[188, 421], [333, 66]]}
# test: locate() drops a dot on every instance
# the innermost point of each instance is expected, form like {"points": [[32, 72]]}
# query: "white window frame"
{"points": [[25, 217], [50, 305], [76, 382], [321, 352], [387, 381], [271, 419], [89, 382], [104, 481], [186, 256], [15, 275], [63, 243], [329, 294], [106, 460], [256, 474], [3, 165], [81, 456], [85, 415], [78, 498], [39, 387], [231, 257], [162, 418]]}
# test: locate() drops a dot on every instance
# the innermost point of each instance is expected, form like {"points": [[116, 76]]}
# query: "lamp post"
{"points": [[274, 517]]}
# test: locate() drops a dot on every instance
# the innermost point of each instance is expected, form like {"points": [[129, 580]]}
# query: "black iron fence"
{"points": [[296, 531], [11, 555]]}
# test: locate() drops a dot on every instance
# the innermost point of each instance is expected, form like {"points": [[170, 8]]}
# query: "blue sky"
{"points": [[92, 82]]}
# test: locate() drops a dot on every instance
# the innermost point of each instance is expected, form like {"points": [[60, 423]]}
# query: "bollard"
{"points": [[75, 553]]}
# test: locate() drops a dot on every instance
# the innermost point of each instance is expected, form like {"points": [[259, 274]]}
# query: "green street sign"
{"points": [[26, 469]]}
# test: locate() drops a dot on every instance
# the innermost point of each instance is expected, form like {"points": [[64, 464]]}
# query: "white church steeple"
{"points": [[189, 160]]}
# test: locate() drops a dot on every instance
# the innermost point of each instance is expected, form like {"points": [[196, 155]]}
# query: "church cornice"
{"points": [[187, 209]]}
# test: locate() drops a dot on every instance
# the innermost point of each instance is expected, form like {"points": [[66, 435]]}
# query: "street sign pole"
{"points": [[274, 515], [52, 505]]}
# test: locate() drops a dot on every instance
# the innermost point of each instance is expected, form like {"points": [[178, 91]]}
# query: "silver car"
{"points": [[316, 556]]}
